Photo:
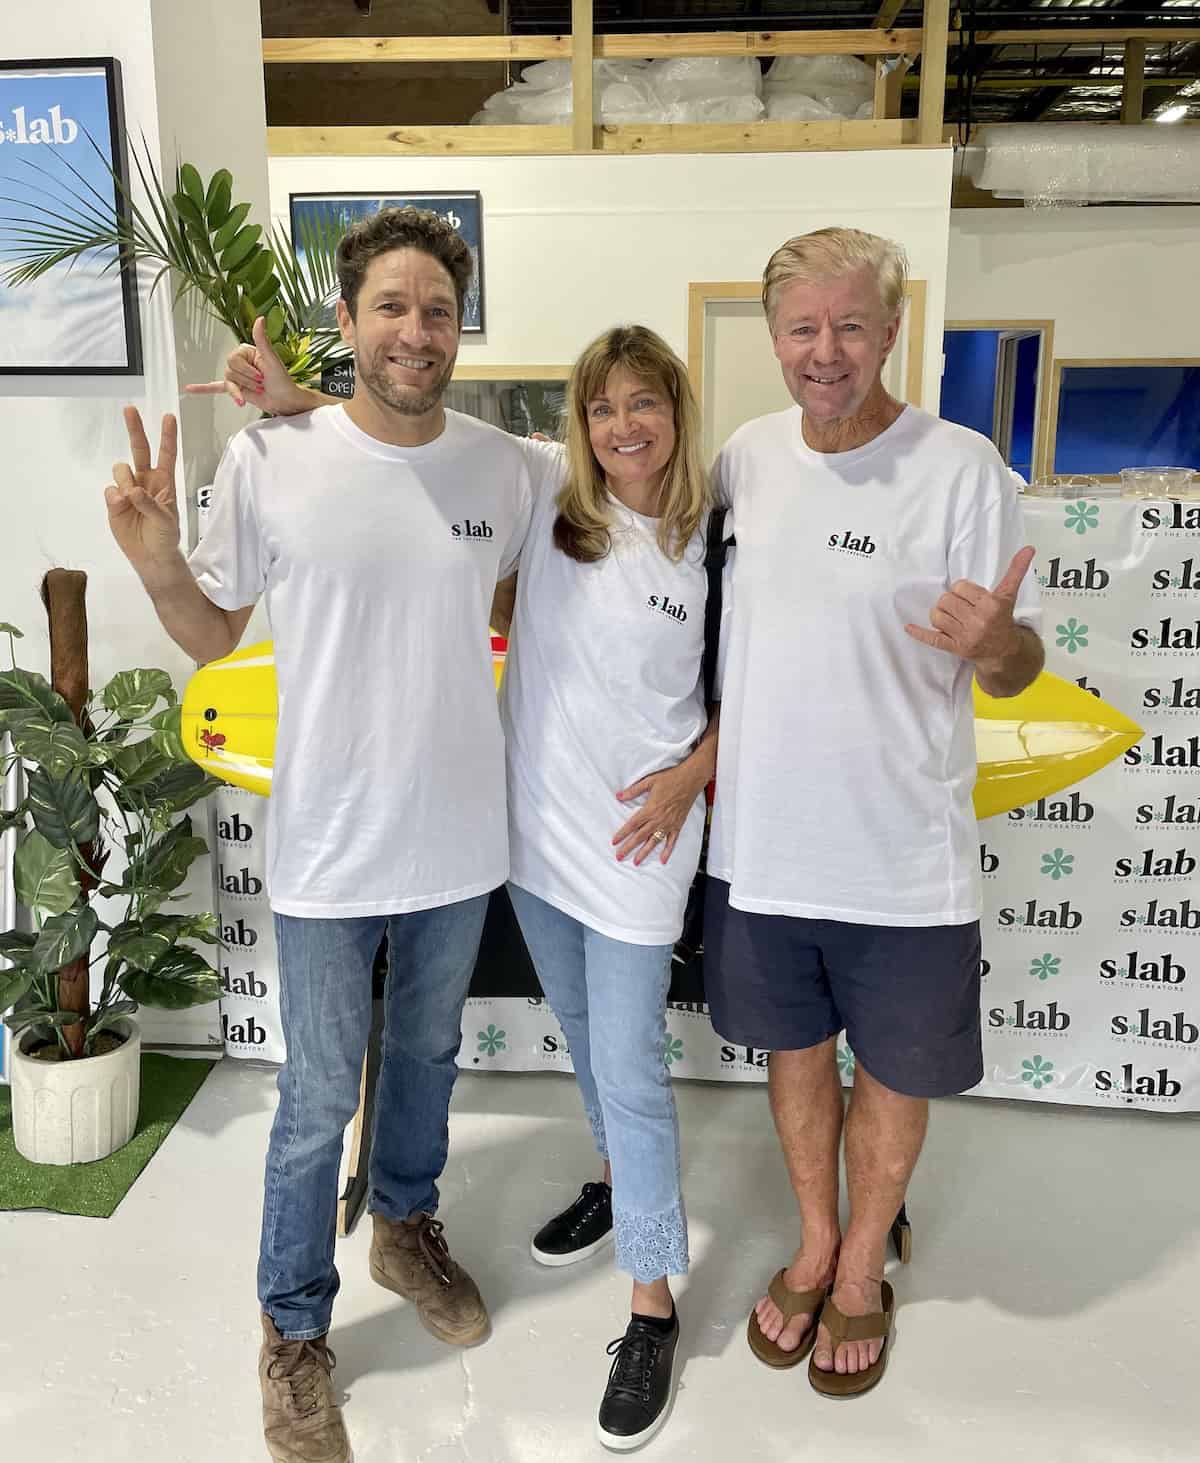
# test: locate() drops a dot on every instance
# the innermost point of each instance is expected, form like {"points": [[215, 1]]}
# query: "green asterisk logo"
{"points": [[1058, 864], [672, 1049], [1081, 516], [1045, 967], [492, 1041], [1073, 635], [845, 1060], [1037, 1071]]}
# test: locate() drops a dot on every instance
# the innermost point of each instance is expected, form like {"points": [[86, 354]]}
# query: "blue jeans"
{"points": [[610, 998], [325, 1007]]}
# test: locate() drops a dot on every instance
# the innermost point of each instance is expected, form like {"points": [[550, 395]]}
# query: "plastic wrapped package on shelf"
{"points": [[677, 89], [1077, 162], [794, 106], [843, 85]]}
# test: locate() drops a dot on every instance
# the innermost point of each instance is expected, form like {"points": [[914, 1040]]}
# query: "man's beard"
{"points": [[401, 399]]}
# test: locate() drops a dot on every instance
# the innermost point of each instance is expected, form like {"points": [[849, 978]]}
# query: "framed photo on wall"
{"points": [[464, 211], [62, 125]]}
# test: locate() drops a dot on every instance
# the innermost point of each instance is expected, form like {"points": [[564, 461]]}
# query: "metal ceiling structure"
{"points": [[1013, 81]]}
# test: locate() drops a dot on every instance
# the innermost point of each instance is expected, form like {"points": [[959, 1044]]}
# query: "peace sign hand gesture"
{"points": [[976, 623], [142, 510]]}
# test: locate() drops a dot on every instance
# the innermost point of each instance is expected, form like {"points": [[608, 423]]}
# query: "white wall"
{"points": [[573, 245], [192, 82], [1115, 281]]}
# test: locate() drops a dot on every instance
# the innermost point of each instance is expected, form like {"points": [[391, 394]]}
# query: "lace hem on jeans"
{"points": [[650, 1245], [597, 1123]]}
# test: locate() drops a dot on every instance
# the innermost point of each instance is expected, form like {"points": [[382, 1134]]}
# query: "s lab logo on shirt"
{"points": [[480, 531], [861, 546], [665, 605]]}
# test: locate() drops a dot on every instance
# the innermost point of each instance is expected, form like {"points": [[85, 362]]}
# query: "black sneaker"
{"points": [[638, 1395], [579, 1231]]}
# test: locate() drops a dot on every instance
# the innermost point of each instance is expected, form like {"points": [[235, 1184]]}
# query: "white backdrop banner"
{"points": [[1091, 931], [248, 966]]}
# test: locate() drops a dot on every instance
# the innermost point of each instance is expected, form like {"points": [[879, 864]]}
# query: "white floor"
{"points": [[1050, 1312]]}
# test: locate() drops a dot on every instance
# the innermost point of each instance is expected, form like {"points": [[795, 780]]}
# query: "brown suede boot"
{"points": [[301, 1421], [410, 1257]]}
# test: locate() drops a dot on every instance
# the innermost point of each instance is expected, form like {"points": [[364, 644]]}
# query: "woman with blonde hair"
{"points": [[609, 751]]}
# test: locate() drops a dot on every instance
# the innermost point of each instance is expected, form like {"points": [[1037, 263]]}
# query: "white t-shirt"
{"points": [[602, 686], [847, 754], [378, 565]]}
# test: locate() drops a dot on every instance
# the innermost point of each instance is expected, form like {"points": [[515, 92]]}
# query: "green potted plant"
{"points": [[111, 774]]}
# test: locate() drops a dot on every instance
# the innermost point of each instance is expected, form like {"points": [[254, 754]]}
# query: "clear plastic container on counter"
{"points": [[1159, 482]]}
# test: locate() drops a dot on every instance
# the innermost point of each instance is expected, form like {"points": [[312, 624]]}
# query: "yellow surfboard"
{"points": [[1029, 746]]}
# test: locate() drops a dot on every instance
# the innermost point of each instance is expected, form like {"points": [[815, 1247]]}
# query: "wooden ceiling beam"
{"points": [[359, 49]]}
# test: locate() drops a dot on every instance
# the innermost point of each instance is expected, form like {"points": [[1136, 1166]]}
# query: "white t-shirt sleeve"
{"points": [[985, 547], [230, 561], [546, 463]]}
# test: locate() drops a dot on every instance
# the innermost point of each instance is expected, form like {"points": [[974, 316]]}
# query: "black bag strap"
{"points": [[715, 551]]}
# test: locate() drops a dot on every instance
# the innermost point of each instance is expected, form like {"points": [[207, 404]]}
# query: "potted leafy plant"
{"points": [[111, 774]]}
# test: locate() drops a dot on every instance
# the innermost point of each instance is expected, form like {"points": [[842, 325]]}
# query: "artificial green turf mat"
{"points": [[95, 1189]]}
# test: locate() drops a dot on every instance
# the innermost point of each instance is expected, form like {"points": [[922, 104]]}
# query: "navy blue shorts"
{"points": [[907, 996]]}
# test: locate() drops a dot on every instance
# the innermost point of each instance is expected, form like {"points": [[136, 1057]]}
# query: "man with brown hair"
{"points": [[376, 529]]}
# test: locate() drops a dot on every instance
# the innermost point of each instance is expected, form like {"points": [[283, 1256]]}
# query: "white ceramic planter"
{"points": [[76, 1112]]}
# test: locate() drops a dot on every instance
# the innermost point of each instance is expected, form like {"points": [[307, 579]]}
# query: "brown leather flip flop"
{"points": [[791, 1303], [854, 1328]]}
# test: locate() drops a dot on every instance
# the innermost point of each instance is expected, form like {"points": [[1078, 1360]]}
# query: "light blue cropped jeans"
{"points": [[610, 999]]}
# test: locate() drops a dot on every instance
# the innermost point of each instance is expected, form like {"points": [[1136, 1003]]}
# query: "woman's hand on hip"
{"points": [[669, 796]]}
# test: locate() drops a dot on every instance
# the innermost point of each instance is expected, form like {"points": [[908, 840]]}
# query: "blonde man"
{"points": [[879, 567]]}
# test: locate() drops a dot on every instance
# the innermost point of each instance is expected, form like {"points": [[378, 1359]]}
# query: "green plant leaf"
{"points": [[201, 927], [141, 942], [63, 809], [180, 979], [28, 1015], [244, 242], [27, 691], [191, 184], [167, 738], [107, 1020], [15, 945], [229, 227], [177, 787], [7, 629], [59, 747], [255, 278], [138, 763], [167, 861], [266, 296], [63, 938], [191, 214], [276, 324], [13, 985], [44, 876], [218, 197], [239, 275], [133, 693]]}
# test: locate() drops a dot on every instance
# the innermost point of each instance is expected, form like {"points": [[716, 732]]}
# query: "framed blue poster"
{"points": [[61, 125], [463, 211]]}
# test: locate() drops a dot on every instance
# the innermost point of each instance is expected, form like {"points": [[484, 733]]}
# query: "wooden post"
{"points": [[583, 136], [889, 85], [1133, 87], [933, 71], [64, 596]]}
